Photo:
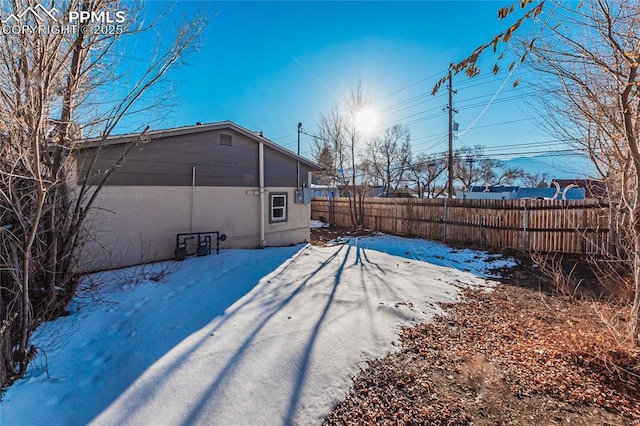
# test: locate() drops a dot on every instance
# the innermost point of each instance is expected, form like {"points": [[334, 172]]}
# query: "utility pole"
{"points": [[451, 111], [298, 168]]}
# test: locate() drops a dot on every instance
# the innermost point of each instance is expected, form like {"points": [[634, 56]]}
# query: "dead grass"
{"points": [[516, 355]]}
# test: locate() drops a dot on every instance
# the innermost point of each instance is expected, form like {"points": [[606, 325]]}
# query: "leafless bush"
{"points": [[554, 266], [155, 272], [52, 87], [586, 61], [145, 269]]}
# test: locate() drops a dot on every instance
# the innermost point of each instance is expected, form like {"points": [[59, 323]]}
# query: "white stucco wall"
{"points": [[138, 224]]}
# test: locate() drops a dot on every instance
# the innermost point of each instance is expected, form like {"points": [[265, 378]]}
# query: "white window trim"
{"points": [[284, 208]]}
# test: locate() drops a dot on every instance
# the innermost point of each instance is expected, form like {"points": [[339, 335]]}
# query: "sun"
{"points": [[366, 120]]}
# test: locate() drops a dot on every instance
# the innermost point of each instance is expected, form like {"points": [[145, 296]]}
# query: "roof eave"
{"points": [[199, 128]]}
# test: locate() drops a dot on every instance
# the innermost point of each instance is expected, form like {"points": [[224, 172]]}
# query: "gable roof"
{"points": [[198, 128]]}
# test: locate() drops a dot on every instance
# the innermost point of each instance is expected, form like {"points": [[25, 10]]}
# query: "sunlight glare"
{"points": [[366, 120]]}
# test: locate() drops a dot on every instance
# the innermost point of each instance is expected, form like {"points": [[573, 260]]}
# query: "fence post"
{"points": [[480, 223], [446, 218], [395, 226], [525, 225]]}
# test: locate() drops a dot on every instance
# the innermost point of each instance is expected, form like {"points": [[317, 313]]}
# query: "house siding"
{"points": [[281, 170], [138, 224], [152, 196], [169, 162]]}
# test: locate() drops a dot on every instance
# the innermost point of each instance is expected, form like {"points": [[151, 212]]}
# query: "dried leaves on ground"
{"points": [[510, 356]]}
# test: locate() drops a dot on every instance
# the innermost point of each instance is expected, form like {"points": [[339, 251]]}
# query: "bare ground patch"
{"points": [[327, 235]]}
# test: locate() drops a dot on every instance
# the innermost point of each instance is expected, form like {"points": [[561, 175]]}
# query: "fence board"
{"points": [[579, 226]]}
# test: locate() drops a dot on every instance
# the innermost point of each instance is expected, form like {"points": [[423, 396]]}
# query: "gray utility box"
{"points": [[303, 196]]}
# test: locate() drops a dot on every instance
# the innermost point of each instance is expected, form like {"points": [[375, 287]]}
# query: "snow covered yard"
{"points": [[267, 336]]}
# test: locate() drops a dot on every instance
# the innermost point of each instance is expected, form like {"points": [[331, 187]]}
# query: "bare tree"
{"points": [[330, 147], [355, 103], [587, 56], [590, 63], [424, 171], [386, 158], [324, 156], [471, 167], [510, 175], [535, 180], [52, 92], [339, 132]]}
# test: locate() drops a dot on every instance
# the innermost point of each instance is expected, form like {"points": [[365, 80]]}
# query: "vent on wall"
{"points": [[225, 140]]}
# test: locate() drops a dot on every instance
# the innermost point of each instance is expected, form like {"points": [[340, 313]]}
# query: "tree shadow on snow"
{"points": [[222, 293], [235, 360]]}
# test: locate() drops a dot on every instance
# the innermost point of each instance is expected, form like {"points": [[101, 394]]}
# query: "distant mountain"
{"points": [[558, 167]]}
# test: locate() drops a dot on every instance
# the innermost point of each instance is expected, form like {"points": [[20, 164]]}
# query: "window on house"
{"points": [[225, 140], [278, 207]]}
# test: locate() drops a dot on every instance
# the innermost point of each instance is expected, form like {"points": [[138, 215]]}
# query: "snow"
{"points": [[314, 224], [266, 336]]}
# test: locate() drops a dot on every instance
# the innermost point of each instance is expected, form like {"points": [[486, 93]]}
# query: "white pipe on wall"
{"points": [[193, 194], [262, 209]]}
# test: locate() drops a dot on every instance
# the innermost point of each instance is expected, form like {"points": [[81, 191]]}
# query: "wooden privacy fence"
{"points": [[531, 225]]}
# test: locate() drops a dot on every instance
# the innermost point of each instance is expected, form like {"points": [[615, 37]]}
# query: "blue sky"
{"points": [[269, 65]]}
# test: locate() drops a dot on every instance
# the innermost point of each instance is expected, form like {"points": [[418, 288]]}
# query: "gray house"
{"points": [[208, 177]]}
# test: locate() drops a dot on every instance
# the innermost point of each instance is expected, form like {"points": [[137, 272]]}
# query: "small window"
{"points": [[225, 140], [278, 207]]}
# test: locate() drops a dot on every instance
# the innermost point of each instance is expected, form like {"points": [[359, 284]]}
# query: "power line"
{"points": [[402, 105], [439, 137], [439, 73], [412, 103], [436, 158], [511, 70], [423, 98]]}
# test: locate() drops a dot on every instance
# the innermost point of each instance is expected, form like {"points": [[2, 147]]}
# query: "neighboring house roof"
{"points": [[516, 192], [593, 187], [375, 191], [198, 128], [523, 193], [500, 188], [571, 194], [322, 180]]}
